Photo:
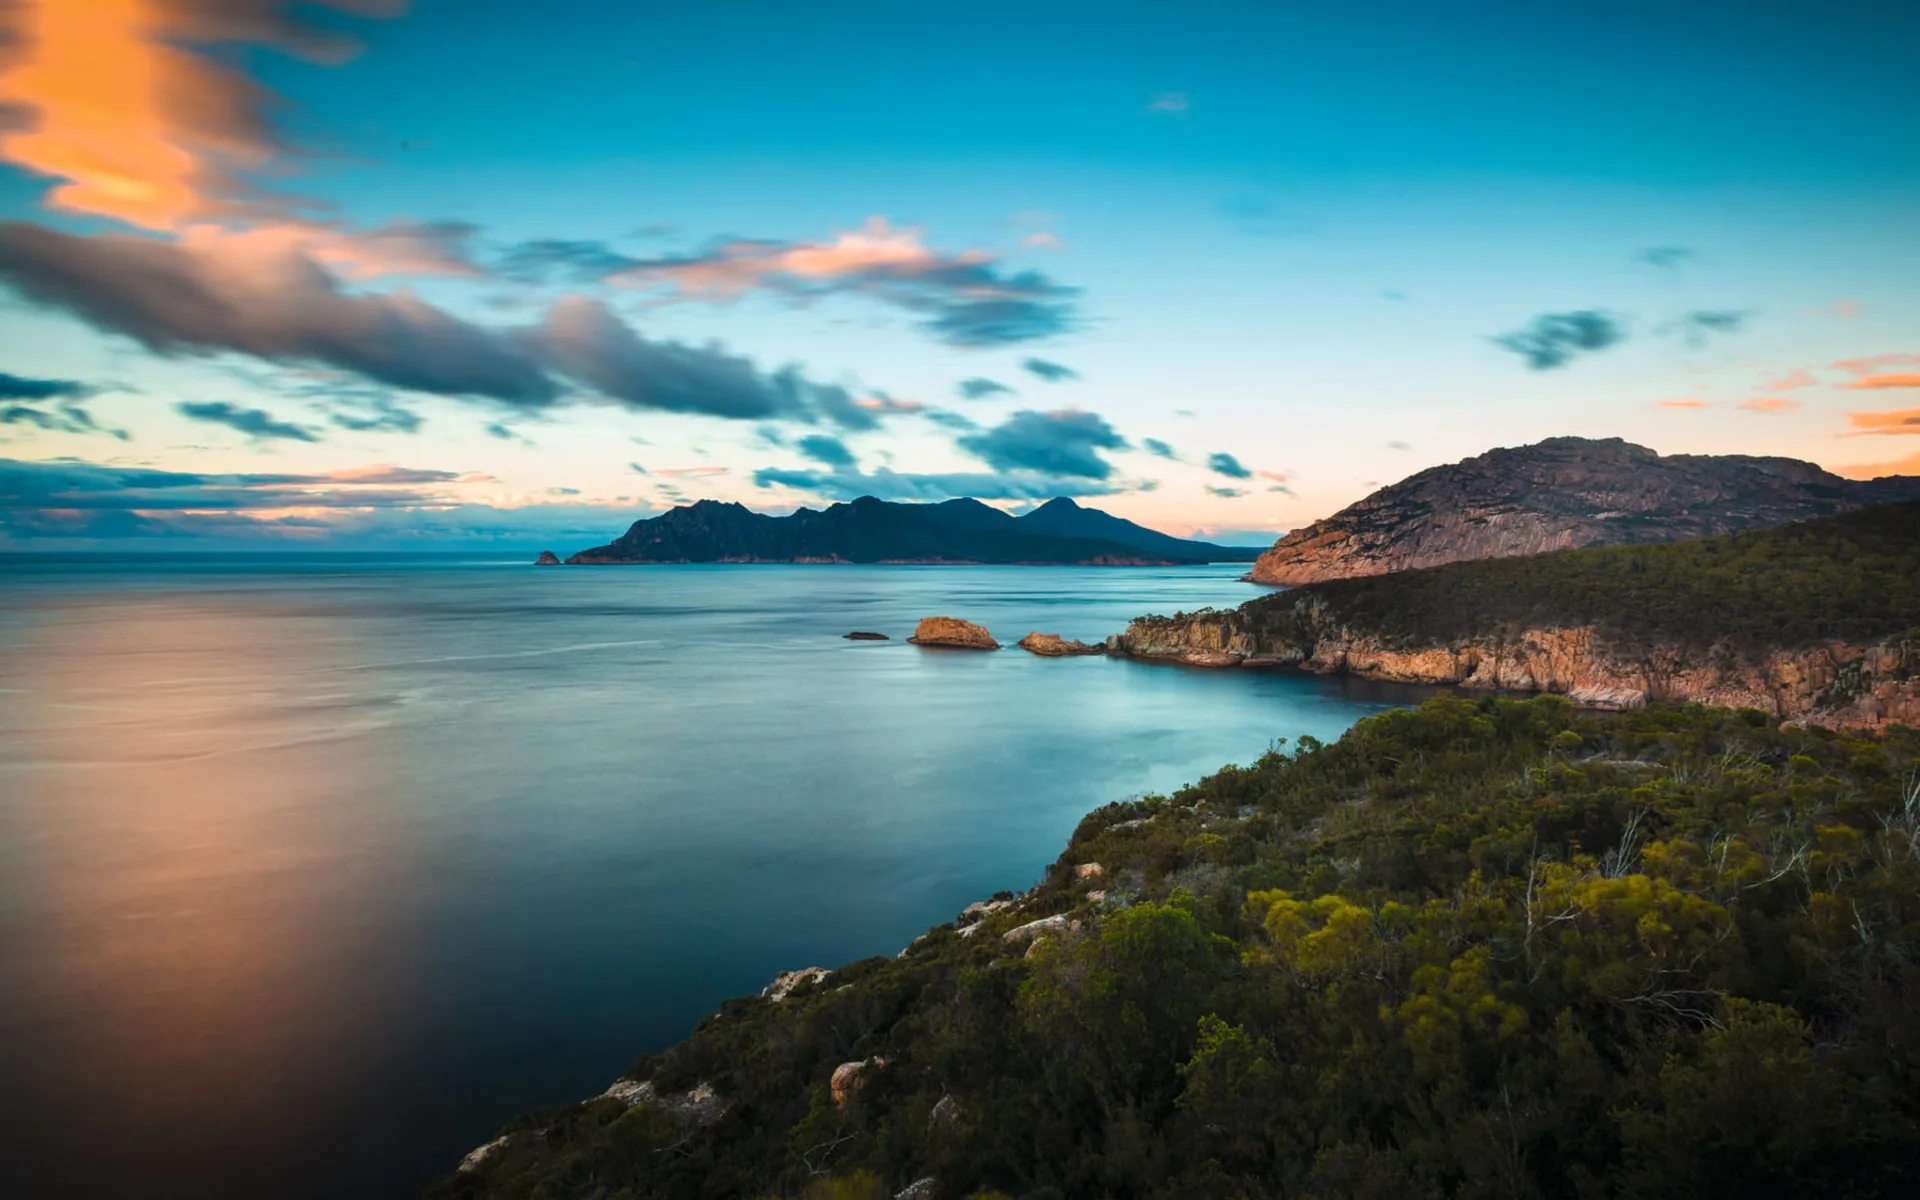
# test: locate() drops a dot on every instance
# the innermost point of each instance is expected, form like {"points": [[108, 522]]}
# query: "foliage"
{"points": [[1477, 948], [1854, 577]]}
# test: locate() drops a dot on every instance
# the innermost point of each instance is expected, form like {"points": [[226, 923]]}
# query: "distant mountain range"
{"points": [[1560, 494], [869, 530]]}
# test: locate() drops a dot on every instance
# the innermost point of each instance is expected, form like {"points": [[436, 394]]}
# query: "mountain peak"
{"points": [[1558, 494]]}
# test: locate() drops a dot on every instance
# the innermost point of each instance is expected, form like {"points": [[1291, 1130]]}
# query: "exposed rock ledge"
{"points": [[1835, 684]]}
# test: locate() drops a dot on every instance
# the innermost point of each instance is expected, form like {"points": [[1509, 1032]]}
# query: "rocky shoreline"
{"points": [[1835, 684]]}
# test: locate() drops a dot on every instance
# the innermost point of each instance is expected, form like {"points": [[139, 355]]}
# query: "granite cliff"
{"points": [[1561, 494], [875, 531], [1817, 622]]}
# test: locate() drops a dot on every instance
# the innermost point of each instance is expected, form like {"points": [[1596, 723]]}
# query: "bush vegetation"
{"points": [[1479, 948], [1854, 577]]}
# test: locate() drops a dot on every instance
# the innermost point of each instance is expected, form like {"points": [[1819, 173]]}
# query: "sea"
{"points": [[315, 870]]}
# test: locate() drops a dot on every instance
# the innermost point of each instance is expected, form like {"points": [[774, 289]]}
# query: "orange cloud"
{"points": [[1878, 362], [1903, 379], [1769, 404], [138, 126], [1799, 377], [1899, 421], [1686, 402]]}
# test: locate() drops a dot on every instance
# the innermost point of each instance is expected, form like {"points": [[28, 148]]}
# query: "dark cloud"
{"points": [[1665, 257], [64, 417], [982, 323], [964, 299], [52, 405], [1553, 340], [68, 484], [1066, 442], [583, 339], [254, 422], [276, 304], [563, 491], [1226, 464], [980, 389], [375, 413], [15, 387], [271, 301], [1052, 372], [827, 449], [888, 484], [1699, 325], [547, 260], [1158, 448], [1227, 493], [637, 469], [948, 419]]}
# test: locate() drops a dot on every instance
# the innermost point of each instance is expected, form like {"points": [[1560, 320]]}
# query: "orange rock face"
{"points": [[952, 631], [1557, 495]]}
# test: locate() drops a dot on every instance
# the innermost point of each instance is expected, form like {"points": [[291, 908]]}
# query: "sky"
{"points": [[457, 273]]}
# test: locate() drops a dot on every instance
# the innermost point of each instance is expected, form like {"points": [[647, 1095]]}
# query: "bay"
{"points": [[314, 870]]}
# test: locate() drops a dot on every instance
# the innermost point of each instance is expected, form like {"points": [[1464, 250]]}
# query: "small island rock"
{"points": [[1052, 645], [952, 631], [547, 559], [862, 635]]}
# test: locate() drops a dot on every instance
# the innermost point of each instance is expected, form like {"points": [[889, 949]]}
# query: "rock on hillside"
{"points": [[1560, 494]]}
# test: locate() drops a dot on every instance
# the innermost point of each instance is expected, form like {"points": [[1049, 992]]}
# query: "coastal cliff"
{"points": [[1835, 684], [1561, 494], [1817, 622]]}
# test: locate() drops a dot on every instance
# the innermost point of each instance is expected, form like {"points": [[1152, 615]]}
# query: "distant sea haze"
{"points": [[314, 871]]}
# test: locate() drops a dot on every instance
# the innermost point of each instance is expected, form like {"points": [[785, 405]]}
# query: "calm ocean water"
{"points": [[315, 871]]}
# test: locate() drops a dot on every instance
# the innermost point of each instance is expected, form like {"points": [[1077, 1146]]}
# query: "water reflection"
{"points": [[175, 955]]}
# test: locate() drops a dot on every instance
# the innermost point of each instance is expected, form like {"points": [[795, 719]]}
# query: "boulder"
{"points": [[1034, 929], [698, 1105], [952, 631], [787, 982], [1089, 871], [862, 635], [1052, 645], [547, 559], [980, 910], [849, 1077]]}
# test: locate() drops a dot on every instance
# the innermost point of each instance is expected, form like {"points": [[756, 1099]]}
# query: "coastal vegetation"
{"points": [[1853, 577], [1483, 947]]}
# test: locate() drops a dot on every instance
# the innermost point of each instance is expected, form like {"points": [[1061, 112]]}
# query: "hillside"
{"points": [[1560, 494], [1475, 949], [870, 530], [1818, 620]]}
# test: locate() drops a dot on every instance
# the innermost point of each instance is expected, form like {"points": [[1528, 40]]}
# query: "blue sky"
{"points": [[516, 273]]}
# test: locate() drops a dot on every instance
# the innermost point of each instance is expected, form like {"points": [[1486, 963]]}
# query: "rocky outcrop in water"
{"points": [[862, 635], [547, 559], [1560, 494], [952, 632], [1052, 645]]}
